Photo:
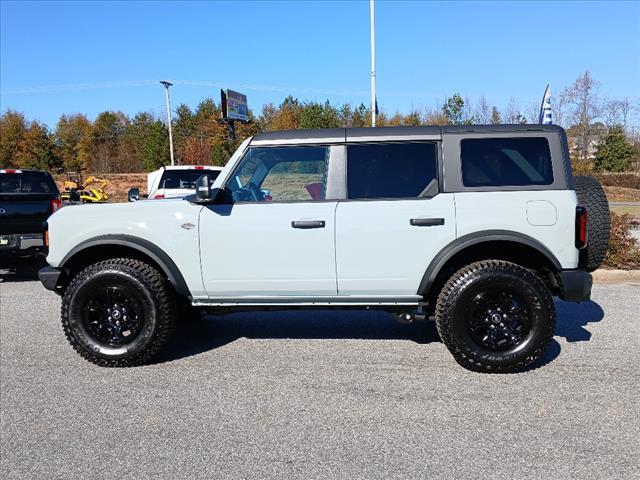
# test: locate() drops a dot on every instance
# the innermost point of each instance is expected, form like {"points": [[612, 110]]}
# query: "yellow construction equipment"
{"points": [[91, 190]]}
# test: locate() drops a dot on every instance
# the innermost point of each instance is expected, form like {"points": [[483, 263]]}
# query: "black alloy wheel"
{"points": [[118, 313], [498, 319], [495, 316], [113, 316]]}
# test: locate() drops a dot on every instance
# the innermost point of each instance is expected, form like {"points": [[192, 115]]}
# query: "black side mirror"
{"points": [[203, 190], [133, 195]]}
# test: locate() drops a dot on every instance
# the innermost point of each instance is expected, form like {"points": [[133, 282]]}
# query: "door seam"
{"points": [[335, 244]]}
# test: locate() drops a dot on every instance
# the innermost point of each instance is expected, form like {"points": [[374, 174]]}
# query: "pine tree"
{"points": [[615, 153]]}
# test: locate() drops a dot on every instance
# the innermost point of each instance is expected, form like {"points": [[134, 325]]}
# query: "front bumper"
{"points": [[576, 285], [49, 277], [21, 241]]}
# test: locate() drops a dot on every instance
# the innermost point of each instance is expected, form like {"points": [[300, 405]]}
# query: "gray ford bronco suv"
{"points": [[477, 227]]}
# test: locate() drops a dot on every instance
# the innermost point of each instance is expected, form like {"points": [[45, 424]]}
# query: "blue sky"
{"points": [[313, 50]]}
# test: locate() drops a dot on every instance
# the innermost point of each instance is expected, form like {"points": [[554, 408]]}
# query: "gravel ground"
{"points": [[318, 395]]}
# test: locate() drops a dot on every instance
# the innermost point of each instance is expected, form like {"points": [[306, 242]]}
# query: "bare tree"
{"points": [[626, 109], [582, 109], [532, 111], [611, 112], [558, 110], [512, 113], [482, 113], [467, 112], [434, 116]]}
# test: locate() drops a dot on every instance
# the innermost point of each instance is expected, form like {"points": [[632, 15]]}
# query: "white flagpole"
{"points": [[373, 64]]}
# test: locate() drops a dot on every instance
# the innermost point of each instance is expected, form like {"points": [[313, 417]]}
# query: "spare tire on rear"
{"points": [[591, 195]]}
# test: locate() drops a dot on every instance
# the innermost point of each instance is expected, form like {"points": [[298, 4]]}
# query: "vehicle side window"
{"points": [[391, 170], [491, 162], [275, 174]]}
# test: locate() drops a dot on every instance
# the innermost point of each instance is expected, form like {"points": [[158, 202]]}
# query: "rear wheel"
{"points": [[118, 312], [495, 316]]}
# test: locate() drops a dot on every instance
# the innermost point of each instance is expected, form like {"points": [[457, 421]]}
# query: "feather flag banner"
{"points": [[546, 114]]}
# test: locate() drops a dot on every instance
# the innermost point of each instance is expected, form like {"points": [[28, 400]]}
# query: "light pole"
{"points": [[166, 93], [373, 64]]}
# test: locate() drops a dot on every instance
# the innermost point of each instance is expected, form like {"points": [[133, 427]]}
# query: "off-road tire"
{"points": [[591, 195], [158, 308], [456, 297]]}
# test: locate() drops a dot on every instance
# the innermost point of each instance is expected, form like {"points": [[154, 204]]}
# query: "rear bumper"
{"points": [[576, 285], [21, 241], [49, 277]]}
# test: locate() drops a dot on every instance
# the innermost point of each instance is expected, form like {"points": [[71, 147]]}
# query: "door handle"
{"points": [[307, 224], [426, 222]]}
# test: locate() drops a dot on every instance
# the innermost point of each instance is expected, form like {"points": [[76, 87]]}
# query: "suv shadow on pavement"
{"points": [[199, 336], [20, 269], [214, 331], [572, 318]]}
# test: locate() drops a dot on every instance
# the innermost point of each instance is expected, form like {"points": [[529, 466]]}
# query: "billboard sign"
{"points": [[234, 105]]}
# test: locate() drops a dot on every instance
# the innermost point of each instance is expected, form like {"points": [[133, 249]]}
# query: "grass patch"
{"points": [[634, 211], [622, 194]]}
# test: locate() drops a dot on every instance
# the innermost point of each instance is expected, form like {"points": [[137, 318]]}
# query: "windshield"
{"points": [[27, 182], [185, 178]]}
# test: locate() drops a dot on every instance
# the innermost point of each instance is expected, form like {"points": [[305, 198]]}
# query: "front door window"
{"points": [[277, 174]]}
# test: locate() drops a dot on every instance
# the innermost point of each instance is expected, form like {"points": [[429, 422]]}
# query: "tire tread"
{"points": [[153, 280], [447, 300]]}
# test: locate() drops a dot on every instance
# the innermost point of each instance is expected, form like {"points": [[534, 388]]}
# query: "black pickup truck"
{"points": [[27, 199]]}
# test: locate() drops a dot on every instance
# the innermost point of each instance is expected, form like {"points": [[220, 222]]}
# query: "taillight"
{"points": [[158, 196], [581, 227], [45, 228], [10, 170], [56, 203], [199, 167]]}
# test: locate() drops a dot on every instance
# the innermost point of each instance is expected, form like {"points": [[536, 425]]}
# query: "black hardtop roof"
{"points": [[344, 134]]}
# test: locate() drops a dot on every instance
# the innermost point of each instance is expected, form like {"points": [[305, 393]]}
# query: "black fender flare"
{"points": [[476, 238], [159, 256]]}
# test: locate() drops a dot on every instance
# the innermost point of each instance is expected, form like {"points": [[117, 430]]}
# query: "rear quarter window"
{"points": [[492, 162]]}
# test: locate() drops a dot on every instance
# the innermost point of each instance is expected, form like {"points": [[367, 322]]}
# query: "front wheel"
{"points": [[118, 313], [495, 317]]}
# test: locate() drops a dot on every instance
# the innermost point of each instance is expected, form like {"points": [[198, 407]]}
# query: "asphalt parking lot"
{"points": [[318, 395]]}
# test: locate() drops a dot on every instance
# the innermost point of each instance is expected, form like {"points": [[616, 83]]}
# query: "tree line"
{"points": [[599, 132]]}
